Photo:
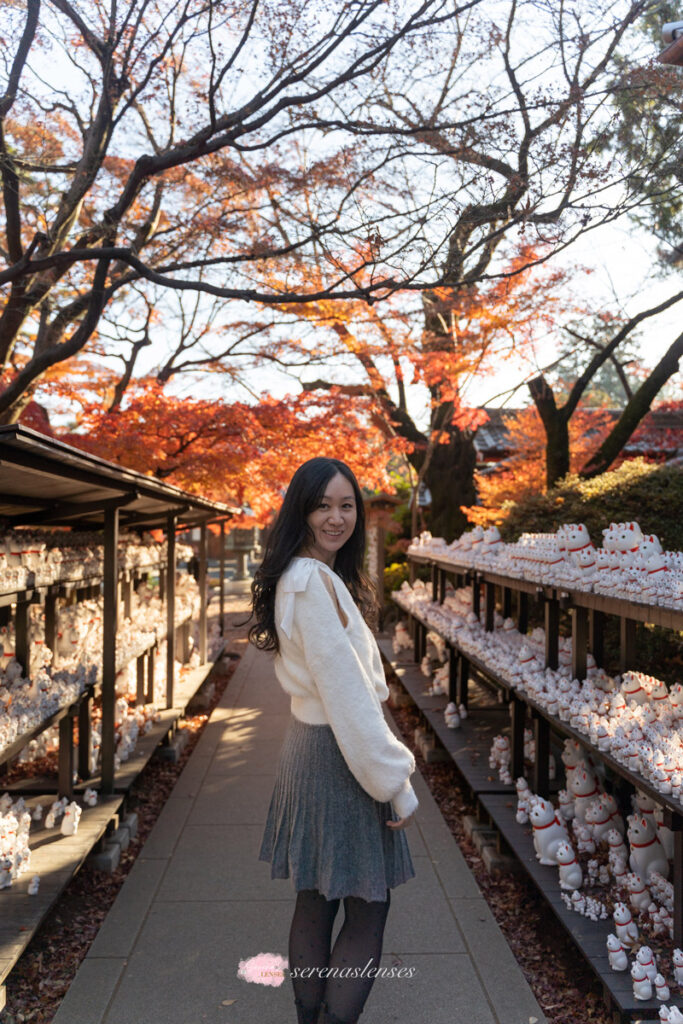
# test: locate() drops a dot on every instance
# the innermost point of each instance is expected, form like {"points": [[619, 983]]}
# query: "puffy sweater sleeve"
{"points": [[376, 757]]}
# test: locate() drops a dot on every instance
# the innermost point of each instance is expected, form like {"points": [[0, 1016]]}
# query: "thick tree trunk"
{"points": [[450, 474], [450, 479], [634, 412], [556, 424]]}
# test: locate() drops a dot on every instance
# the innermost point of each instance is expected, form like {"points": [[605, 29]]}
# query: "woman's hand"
{"points": [[402, 822]]}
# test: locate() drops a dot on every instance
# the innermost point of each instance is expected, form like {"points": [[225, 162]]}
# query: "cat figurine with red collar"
{"points": [[584, 787], [549, 831], [647, 852]]}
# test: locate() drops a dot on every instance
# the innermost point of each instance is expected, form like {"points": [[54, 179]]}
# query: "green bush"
{"points": [[650, 494], [394, 576]]}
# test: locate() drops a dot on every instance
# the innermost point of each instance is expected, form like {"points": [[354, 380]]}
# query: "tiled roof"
{"points": [[664, 426]]}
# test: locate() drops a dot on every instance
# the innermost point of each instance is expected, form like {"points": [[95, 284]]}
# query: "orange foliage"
{"points": [[233, 452], [523, 473]]}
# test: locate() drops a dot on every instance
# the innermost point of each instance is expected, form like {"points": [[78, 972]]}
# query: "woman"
{"points": [[342, 794]]}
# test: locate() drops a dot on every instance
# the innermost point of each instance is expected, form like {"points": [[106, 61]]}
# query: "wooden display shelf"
{"points": [[33, 592], [129, 770], [93, 690], [476, 662], [590, 937], [56, 858], [545, 721], [17, 745], [657, 615], [470, 744]]}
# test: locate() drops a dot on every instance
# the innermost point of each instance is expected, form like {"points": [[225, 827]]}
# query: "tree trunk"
{"points": [[556, 424], [450, 479], [634, 412]]}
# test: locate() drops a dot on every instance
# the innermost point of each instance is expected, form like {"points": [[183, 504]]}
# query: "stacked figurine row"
{"points": [[76, 662], [635, 717], [15, 825], [131, 722], [637, 893], [630, 564], [34, 558]]}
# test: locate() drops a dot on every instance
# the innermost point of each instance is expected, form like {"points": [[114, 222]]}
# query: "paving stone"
{"points": [[230, 868], [234, 800], [168, 827], [198, 902], [90, 992], [506, 987], [118, 931]]}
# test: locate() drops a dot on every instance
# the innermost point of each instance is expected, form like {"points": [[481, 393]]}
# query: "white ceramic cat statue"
{"points": [[549, 831], [451, 716], [625, 926], [646, 959], [72, 815], [661, 988], [616, 954], [583, 784], [678, 967], [647, 852], [639, 896], [642, 986], [571, 875], [598, 815]]}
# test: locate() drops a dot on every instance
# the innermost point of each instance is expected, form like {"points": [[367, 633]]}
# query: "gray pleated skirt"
{"points": [[323, 830]]}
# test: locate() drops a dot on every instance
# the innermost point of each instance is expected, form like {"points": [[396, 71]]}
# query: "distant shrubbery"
{"points": [[394, 575], [649, 493]]}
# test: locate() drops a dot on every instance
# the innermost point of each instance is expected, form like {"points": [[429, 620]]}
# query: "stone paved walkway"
{"points": [[197, 901]]}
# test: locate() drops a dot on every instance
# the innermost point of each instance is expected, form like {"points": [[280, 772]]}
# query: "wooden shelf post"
{"points": [[596, 635], [489, 605], [579, 642], [110, 623], [453, 674], [517, 720], [627, 644], [85, 736], [541, 773], [552, 632], [463, 679], [171, 522], [221, 574], [203, 650]]}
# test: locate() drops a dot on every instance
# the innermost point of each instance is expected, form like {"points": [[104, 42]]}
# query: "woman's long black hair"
{"points": [[291, 532]]}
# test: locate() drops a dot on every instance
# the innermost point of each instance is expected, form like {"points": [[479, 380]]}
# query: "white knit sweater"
{"points": [[334, 675]]}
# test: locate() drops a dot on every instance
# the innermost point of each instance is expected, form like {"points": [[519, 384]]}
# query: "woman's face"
{"points": [[333, 521]]}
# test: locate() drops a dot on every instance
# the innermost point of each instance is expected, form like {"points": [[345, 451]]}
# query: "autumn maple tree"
{"points": [[232, 452], [523, 473], [256, 157]]}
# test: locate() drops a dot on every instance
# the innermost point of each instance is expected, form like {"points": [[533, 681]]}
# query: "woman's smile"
{"points": [[333, 521]]}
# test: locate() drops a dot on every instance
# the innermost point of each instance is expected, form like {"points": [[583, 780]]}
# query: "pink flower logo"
{"points": [[263, 969]]}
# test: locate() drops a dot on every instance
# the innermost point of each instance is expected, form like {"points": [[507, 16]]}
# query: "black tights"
{"points": [[359, 940]]}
